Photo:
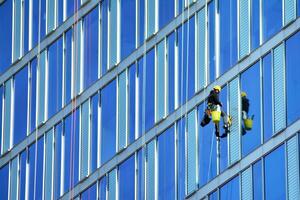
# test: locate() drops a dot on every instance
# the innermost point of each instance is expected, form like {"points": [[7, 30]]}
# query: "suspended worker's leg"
{"points": [[217, 130], [206, 119], [226, 122]]}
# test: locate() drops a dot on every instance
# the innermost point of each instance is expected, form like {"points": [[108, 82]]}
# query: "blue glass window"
{"points": [[149, 92], [180, 6], [141, 90], [250, 104], [151, 17], [254, 24], [31, 165], [55, 77], [211, 42], [127, 27], [171, 72], [42, 31], [181, 158], [39, 169], [122, 110], [41, 87], [68, 65], [231, 190], [21, 105], [90, 193], [108, 121], [267, 97], [126, 179], [166, 165], [257, 181], [6, 35], [90, 27], [48, 168], [166, 12], [4, 174], [13, 178], [35, 23], [228, 36], [292, 78], [213, 196], [141, 174], [141, 18], [189, 60], [160, 81], [57, 160], [51, 14], [275, 176], [6, 135], [33, 87], [84, 139], [182, 69], [72, 6], [207, 150], [132, 103], [104, 37], [113, 33], [17, 30], [22, 180], [102, 188], [77, 67], [271, 17], [60, 12], [26, 26], [94, 131]]}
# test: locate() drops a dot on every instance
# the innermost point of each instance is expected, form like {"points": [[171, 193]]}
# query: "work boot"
{"points": [[224, 135], [205, 120]]}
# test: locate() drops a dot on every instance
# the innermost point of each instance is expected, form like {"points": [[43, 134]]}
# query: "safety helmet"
{"points": [[243, 94], [217, 87]]}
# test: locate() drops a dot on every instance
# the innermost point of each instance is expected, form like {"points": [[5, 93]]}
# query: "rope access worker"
{"points": [[214, 104]]}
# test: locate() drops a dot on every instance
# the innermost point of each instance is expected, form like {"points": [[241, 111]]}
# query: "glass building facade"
{"points": [[102, 99]]}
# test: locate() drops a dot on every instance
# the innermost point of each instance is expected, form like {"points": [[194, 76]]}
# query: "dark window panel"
{"points": [[57, 160], [211, 42], [26, 26], [4, 174], [171, 72], [141, 174], [182, 67], [104, 37], [166, 12], [132, 103], [181, 158], [231, 190], [90, 193], [141, 97], [257, 181], [141, 22], [190, 58], [31, 164], [126, 179], [22, 175], [102, 188], [255, 24], [39, 169], [68, 65], [94, 131]]}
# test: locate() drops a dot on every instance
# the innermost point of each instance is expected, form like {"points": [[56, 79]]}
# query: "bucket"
{"points": [[248, 124], [216, 115]]}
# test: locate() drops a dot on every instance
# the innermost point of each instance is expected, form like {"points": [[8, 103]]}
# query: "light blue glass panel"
{"points": [[48, 190], [279, 89], [234, 111], [17, 29], [289, 11], [50, 15], [247, 186], [150, 170], [112, 184], [14, 179], [202, 68], [113, 33], [293, 169], [151, 17], [41, 87], [160, 87], [244, 28], [7, 116], [122, 110], [85, 138], [191, 152], [77, 59]]}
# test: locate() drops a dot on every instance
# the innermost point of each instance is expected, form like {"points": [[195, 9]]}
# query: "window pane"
{"points": [[4, 174], [85, 137], [90, 193], [292, 78], [22, 181], [20, 105], [17, 30], [271, 17], [77, 58], [201, 48], [113, 33], [35, 23], [267, 97], [112, 185], [57, 160], [102, 188], [50, 15], [213, 196], [289, 11], [41, 85], [151, 17], [72, 6], [171, 72], [231, 190], [151, 170], [104, 35], [128, 25], [60, 12], [257, 181], [181, 158], [142, 20], [211, 42], [166, 12], [132, 102], [108, 122], [246, 184], [182, 69], [141, 174], [228, 36], [166, 164], [7, 116], [141, 93], [39, 169], [244, 28], [31, 175], [68, 65], [55, 65], [33, 97], [14, 178], [160, 81], [91, 33], [42, 11], [122, 110], [250, 85], [255, 24], [189, 60], [48, 165], [149, 89], [126, 179], [6, 35], [275, 176], [95, 135]]}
